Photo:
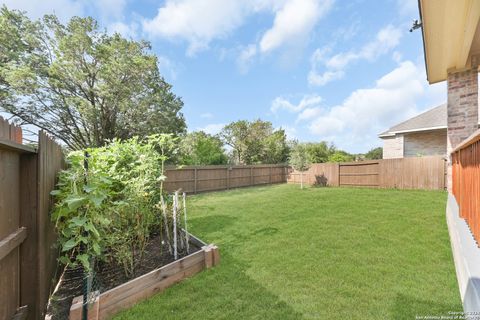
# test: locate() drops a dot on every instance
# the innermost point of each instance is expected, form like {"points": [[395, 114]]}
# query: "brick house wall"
{"points": [[393, 147], [427, 143], [462, 110]]}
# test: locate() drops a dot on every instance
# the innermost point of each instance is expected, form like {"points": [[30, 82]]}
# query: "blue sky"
{"points": [[341, 71]]}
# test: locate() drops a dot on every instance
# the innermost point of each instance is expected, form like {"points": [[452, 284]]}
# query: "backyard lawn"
{"points": [[317, 253]]}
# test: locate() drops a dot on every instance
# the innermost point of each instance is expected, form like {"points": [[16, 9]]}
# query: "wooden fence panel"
{"points": [[413, 173], [363, 174], [324, 172], [50, 162], [210, 178], [466, 182], [26, 178], [406, 173], [9, 223]]}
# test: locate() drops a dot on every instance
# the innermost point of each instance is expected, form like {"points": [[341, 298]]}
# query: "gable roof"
{"points": [[432, 119]]}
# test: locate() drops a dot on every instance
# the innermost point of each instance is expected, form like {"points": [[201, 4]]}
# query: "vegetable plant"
{"points": [[108, 201]]}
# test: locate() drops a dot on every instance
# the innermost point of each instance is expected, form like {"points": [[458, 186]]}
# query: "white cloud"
{"points": [[199, 22], [309, 114], [167, 67], [317, 79], [212, 128], [293, 21], [309, 101], [109, 12], [355, 123], [196, 21], [64, 9], [244, 60], [126, 30], [334, 67], [290, 131], [206, 115]]}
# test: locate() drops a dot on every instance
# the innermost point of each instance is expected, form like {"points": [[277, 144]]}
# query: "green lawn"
{"points": [[317, 253]]}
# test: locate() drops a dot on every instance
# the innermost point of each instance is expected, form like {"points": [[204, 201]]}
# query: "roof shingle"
{"points": [[433, 118]]}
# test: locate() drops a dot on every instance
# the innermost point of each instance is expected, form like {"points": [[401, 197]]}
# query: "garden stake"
{"points": [[86, 282], [185, 217], [165, 222], [175, 197]]}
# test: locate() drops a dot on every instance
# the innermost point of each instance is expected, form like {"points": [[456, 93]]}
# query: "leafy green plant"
{"points": [[108, 209]]}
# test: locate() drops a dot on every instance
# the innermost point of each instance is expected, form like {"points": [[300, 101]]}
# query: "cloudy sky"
{"points": [[341, 71]]}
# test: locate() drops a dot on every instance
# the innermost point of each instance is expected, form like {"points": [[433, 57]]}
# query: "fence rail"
{"points": [[466, 181], [405, 173], [194, 179], [27, 255]]}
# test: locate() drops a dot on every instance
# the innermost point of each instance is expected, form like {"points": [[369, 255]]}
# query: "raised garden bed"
{"points": [[117, 292], [124, 296]]}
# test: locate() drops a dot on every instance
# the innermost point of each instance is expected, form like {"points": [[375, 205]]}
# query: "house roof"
{"points": [[432, 119]]}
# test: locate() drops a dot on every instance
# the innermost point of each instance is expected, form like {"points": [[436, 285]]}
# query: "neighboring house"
{"points": [[423, 135]]}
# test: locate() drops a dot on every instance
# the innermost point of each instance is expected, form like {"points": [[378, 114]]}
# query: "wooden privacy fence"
{"points": [[27, 253], [405, 173], [466, 182], [209, 178]]}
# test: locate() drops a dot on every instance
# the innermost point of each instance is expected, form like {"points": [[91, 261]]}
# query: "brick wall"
{"points": [[462, 109], [427, 143], [393, 147]]}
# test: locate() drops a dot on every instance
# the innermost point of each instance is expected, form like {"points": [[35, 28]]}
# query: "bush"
{"points": [[108, 201]]}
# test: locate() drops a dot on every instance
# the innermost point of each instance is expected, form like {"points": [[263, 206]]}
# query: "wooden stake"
{"points": [[175, 252], [165, 223], [185, 217]]}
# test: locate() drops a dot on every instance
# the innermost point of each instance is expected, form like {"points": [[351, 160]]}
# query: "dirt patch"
{"points": [[107, 276]]}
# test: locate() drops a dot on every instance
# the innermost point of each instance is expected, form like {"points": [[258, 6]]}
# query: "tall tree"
{"points": [[319, 152], [374, 154], [299, 159], [255, 142], [200, 148], [340, 156], [81, 84]]}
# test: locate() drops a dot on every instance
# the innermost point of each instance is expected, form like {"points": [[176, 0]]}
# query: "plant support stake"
{"points": [[165, 223], [185, 217], [175, 198]]}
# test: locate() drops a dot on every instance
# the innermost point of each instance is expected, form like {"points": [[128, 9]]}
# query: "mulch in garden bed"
{"points": [[107, 276]]}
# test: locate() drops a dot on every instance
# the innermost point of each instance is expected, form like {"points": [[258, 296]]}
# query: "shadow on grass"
{"points": [[209, 224], [406, 307], [224, 292]]}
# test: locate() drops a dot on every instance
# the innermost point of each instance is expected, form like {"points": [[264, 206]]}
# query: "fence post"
{"points": [[228, 178], [338, 169], [251, 176], [195, 181]]}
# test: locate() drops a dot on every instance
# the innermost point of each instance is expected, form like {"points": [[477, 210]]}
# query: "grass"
{"points": [[317, 253]]}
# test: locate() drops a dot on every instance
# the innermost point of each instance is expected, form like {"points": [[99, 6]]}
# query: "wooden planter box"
{"points": [[126, 295]]}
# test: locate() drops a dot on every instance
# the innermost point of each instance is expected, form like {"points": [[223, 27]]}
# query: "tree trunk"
{"points": [[301, 179]]}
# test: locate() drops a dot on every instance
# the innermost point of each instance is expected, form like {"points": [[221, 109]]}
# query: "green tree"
{"points": [[374, 154], [80, 84], [340, 156], [255, 142], [299, 159], [276, 149], [319, 152], [200, 148]]}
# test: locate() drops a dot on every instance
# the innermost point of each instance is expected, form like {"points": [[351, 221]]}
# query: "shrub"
{"points": [[108, 201]]}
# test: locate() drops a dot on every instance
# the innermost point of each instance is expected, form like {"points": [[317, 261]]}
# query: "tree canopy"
{"points": [[255, 142], [374, 154], [80, 84], [200, 148], [299, 158]]}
